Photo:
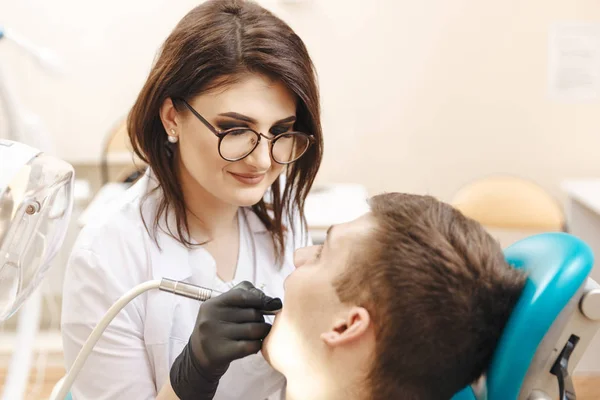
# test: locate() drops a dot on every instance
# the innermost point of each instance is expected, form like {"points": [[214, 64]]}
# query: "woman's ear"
{"points": [[169, 115], [349, 329]]}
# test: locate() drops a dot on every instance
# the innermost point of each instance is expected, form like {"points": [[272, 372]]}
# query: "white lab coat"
{"points": [[114, 253]]}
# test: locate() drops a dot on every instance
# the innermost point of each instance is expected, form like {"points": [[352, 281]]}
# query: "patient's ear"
{"points": [[351, 328]]}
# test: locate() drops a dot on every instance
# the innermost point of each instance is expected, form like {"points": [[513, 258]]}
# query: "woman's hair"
{"points": [[439, 292], [213, 46]]}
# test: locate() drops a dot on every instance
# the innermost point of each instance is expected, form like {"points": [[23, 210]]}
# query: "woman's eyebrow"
{"points": [[245, 118], [291, 118], [238, 116]]}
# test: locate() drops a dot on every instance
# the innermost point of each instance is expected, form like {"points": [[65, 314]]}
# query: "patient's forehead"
{"points": [[349, 233]]}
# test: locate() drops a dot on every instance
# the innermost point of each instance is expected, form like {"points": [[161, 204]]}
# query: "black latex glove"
{"points": [[228, 327]]}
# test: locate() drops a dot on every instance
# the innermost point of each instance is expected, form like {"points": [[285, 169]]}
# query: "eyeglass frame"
{"points": [[221, 135]]}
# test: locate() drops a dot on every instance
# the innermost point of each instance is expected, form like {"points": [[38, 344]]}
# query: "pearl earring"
{"points": [[173, 137]]}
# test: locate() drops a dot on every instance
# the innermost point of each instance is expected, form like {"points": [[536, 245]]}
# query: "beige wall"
{"points": [[455, 90], [418, 96]]}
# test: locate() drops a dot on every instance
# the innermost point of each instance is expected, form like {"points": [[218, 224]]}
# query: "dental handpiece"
{"points": [[194, 292]]}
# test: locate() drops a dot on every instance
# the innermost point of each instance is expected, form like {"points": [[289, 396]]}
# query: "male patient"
{"points": [[406, 302]]}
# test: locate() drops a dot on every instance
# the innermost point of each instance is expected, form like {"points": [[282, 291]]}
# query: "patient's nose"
{"points": [[301, 256]]}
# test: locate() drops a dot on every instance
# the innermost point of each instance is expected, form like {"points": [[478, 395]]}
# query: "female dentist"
{"points": [[230, 105]]}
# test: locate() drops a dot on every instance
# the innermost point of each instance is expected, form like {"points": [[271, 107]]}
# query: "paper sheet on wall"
{"points": [[574, 61]]}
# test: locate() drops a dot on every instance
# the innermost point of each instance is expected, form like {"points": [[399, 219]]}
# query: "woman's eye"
{"points": [[226, 127], [240, 132], [278, 130]]}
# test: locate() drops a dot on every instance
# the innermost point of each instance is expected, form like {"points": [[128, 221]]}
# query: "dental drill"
{"points": [[178, 288], [194, 292]]}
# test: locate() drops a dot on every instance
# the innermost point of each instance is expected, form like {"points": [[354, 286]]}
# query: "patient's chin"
{"points": [[265, 350], [268, 344], [270, 351], [283, 346]]}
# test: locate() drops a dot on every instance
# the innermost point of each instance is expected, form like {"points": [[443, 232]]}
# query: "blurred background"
{"points": [[492, 106]]}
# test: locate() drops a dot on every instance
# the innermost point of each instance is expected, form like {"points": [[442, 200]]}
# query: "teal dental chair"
{"points": [[553, 323]]}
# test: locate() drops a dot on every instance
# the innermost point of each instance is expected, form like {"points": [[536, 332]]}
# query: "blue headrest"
{"points": [[557, 265]]}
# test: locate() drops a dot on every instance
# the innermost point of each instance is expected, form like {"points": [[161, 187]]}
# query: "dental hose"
{"points": [[167, 285]]}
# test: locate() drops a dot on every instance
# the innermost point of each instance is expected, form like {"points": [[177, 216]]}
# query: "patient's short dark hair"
{"points": [[439, 292]]}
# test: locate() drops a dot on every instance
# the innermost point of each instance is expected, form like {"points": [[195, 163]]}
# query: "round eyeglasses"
{"points": [[238, 143]]}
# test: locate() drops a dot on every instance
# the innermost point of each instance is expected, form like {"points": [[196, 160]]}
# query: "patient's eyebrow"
{"points": [[328, 236]]}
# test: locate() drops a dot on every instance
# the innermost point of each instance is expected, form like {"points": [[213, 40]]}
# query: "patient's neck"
{"points": [[335, 384], [311, 391]]}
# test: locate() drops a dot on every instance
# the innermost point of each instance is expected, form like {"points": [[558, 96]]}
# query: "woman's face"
{"points": [[255, 101]]}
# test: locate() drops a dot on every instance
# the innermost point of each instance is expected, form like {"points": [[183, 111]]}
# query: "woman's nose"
{"points": [[260, 158]]}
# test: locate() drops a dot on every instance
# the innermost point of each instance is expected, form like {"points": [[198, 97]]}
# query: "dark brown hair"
{"points": [[439, 292], [212, 46]]}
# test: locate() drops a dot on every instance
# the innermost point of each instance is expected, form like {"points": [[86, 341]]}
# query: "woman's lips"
{"points": [[248, 179]]}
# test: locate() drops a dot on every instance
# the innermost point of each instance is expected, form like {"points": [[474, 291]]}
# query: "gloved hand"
{"points": [[228, 327]]}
